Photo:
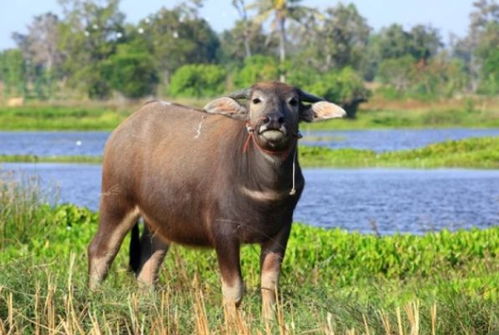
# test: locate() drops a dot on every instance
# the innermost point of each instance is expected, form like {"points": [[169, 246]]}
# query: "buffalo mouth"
{"points": [[272, 134]]}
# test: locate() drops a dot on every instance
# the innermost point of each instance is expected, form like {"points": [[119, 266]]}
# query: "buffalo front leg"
{"points": [[114, 225], [271, 258], [230, 269], [152, 252]]}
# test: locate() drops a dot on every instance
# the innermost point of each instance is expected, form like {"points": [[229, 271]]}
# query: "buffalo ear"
{"points": [[226, 106], [320, 111]]}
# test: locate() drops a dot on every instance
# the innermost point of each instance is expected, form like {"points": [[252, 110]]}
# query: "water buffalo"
{"points": [[218, 177]]}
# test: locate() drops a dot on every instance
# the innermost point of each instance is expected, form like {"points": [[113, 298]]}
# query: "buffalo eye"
{"points": [[293, 102], [256, 101]]}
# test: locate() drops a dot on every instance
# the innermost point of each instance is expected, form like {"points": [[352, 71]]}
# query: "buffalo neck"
{"points": [[262, 169]]}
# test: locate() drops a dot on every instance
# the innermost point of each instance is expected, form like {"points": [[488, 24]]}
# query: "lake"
{"points": [[91, 143], [365, 200]]}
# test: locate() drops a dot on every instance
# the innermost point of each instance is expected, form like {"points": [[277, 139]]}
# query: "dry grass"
{"points": [[49, 317]]}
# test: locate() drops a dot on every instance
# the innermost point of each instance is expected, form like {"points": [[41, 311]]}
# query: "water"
{"points": [[54, 143], [390, 139], [386, 200]]}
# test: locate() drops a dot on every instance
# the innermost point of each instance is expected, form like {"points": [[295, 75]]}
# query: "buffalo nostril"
{"points": [[281, 120], [266, 120]]}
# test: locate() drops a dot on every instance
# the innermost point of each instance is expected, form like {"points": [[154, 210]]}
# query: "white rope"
{"points": [[293, 190]]}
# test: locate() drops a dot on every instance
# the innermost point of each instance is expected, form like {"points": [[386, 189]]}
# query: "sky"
{"points": [[450, 16]]}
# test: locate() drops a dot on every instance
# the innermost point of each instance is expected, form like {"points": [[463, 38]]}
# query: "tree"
{"points": [[233, 42], [397, 72], [245, 24], [177, 37], [13, 72], [425, 42], [339, 39], [282, 10], [41, 53], [131, 72], [477, 46], [39, 45], [89, 34], [394, 42]]}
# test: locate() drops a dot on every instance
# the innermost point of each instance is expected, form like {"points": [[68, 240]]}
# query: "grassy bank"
{"points": [[333, 281], [467, 153], [92, 117], [477, 112], [465, 113], [50, 159]]}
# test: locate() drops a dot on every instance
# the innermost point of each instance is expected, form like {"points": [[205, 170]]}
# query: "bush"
{"points": [[131, 73], [257, 68], [198, 80], [406, 77], [344, 87], [490, 74]]}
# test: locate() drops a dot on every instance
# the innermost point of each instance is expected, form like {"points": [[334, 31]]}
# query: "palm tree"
{"points": [[281, 10], [241, 8]]}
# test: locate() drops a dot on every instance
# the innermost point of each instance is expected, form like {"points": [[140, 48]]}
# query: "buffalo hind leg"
{"points": [[271, 258], [114, 225], [152, 252]]}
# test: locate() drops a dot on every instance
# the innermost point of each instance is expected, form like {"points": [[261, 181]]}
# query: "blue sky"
{"points": [[450, 16]]}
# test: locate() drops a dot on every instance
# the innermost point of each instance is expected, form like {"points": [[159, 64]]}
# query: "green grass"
{"points": [[333, 280], [61, 117], [50, 159], [465, 114], [467, 153], [475, 113]]}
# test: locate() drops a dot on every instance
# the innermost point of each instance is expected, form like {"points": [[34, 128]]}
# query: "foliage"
{"points": [[397, 71], [12, 72], [344, 87], [346, 280], [198, 80], [131, 72], [490, 73], [89, 34], [257, 68], [177, 37], [337, 40], [233, 42], [79, 51], [440, 77]]}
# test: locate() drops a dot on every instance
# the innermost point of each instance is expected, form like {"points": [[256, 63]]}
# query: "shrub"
{"points": [[198, 80], [490, 74], [257, 68], [344, 87], [131, 73]]}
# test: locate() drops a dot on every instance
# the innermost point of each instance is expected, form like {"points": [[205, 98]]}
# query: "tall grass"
{"points": [[334, 282]]}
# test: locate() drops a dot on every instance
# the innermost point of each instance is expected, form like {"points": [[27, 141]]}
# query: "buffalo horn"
{"points": [[307, 97], [241, 94]]}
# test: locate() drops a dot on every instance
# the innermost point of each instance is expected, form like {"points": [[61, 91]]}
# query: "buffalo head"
{"points": [[273, 110]]}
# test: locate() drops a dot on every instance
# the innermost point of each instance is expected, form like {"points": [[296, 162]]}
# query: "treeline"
{"points": [[92, 51]]}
